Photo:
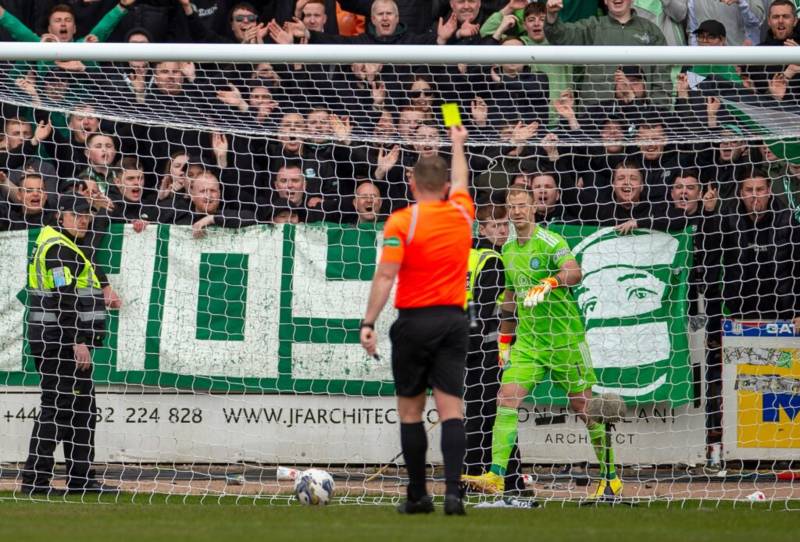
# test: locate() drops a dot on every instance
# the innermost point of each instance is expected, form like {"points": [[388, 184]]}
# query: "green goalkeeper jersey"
{"points": [[556, 322]]}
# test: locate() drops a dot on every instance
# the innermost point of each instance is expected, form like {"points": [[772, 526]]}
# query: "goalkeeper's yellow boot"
{"points": [[608, 490], [488, 482]]}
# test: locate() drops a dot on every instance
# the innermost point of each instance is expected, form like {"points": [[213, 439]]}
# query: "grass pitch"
{"points": [[178, 519]]}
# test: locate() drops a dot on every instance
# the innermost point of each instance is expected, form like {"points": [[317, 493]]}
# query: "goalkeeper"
{"points": [[539, 269]]}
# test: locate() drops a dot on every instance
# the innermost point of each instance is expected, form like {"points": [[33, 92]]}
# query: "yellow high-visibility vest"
{"points": [[478, 258], [43, 282]]}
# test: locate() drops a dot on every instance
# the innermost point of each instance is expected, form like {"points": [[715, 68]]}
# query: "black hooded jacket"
{"points": [[761, 262]]}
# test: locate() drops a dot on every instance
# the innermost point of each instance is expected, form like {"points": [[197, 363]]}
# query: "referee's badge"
{"points": [[391, 242]]}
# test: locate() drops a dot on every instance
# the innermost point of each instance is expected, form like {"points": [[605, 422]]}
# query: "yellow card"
{"points": [[451, 115]]}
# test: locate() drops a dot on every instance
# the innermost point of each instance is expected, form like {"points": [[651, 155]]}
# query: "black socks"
{"points": [[414, 443], [454, 445]]}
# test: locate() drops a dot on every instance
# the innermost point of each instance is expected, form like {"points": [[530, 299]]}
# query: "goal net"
{"points": [[239, 202]]}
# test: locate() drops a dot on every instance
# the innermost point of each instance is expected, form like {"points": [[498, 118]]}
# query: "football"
{"points": [[314, 487]]}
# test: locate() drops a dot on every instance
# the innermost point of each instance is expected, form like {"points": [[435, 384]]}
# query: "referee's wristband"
{"points": [[367, 325]]}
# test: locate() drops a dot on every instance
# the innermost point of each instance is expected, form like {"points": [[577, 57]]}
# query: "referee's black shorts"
{"points": [[429, 350]]}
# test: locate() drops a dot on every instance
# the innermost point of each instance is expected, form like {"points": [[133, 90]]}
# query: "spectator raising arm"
{"points": [[508, 21], [16, 28], [102, 30], [621, 26], [558, 33]]}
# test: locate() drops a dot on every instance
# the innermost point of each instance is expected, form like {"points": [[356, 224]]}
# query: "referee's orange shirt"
{"points": [[431, 242]]}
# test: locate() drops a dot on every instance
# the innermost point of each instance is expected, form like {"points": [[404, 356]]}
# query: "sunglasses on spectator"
{"points": [[245, 18], [416, 94]]}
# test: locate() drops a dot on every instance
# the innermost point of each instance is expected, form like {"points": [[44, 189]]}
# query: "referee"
{"points": [[426, 246]]}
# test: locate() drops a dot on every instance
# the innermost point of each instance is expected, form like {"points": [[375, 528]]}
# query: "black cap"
{"points": [[139, 30], [712, 28], [633, 71], [74, 203]]}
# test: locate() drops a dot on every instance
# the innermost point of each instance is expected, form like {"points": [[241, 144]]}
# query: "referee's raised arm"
{"points": [[459, 172]]}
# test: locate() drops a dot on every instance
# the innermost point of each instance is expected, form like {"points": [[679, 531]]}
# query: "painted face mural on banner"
{"points": [[629, 299]]}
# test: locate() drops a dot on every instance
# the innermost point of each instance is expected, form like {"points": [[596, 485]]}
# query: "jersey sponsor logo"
{"points": [[391, 242], [561, 253]]}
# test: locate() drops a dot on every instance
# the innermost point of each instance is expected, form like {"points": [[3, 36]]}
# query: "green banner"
{"points": [[633, 298], [276, 309]]}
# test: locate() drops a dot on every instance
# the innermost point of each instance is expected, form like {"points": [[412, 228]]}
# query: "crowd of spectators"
{"points": [[631, 147]]}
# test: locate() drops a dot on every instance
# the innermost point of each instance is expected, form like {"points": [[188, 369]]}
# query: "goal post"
{"points": [[240, 193], [397, 54]]}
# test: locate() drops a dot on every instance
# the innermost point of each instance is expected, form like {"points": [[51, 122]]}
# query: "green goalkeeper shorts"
{"points": [[570, 367]]}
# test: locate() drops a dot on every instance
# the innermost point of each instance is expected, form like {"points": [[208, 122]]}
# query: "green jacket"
{"points": [[103, 29], [667, 15], [596, 84], [20, 32], [559, 76], [496, 18]]}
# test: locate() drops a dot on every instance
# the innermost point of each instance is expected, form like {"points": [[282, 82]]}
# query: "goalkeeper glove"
{"points": [[537, 294], [504, 341]]}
